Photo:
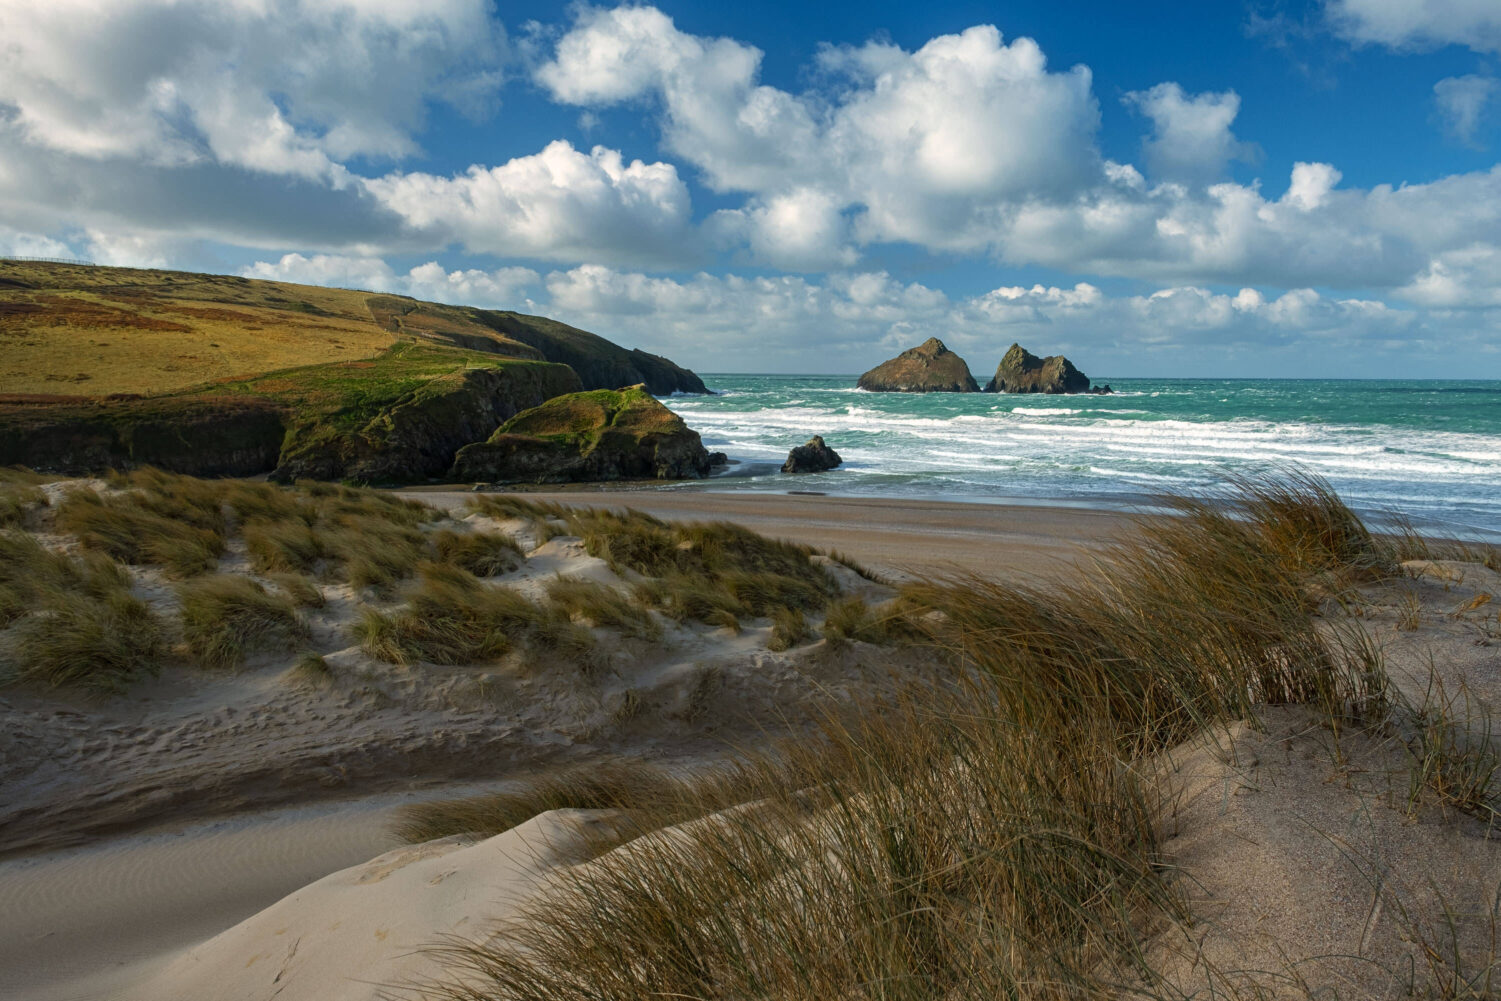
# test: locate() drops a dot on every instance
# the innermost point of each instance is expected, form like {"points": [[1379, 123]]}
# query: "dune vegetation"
{"points": [[993, 828], [244, 562], [997, 834]]}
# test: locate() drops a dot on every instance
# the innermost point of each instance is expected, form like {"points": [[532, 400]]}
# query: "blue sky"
{"points": [[1167, 189]]}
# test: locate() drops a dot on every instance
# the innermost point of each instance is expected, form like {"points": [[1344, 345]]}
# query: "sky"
{"points": [[1225, 189]]}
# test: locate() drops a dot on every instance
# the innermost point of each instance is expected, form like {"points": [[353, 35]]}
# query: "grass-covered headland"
{"points": [[218, 375]]}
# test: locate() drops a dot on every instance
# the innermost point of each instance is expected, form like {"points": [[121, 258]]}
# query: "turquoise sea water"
{"points": [[1430, 449]]}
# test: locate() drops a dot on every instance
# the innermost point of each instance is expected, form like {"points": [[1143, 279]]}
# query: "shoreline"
{"points": [[898, 537]]}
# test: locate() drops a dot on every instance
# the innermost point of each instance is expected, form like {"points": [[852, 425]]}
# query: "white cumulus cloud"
{"points": [[503, 288], [557, 204], [283, 86], [920, 144], [1419, 23], [1191, 139]]}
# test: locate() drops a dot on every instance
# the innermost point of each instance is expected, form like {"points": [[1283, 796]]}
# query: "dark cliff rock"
{"points": [[416, 436], [814, 457], [928, 368], [200, 436], [1021, 371], [599, 435], [601, 364]]}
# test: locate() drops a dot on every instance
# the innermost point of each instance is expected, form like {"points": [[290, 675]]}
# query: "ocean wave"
{"points": [[1044, 411]]}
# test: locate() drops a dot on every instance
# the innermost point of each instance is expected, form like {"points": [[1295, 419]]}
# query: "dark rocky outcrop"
{"points": [[601, 364], [1021, 371], [605, 434], [814, 457], [200, 436], [416, 436], [928, 368]]}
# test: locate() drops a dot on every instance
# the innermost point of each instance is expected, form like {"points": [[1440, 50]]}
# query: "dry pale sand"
{"points": [[1293, 849]]}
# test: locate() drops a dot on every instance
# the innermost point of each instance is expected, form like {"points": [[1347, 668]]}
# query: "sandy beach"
{"points": [[140, 826], [898, 537], [229, 835]]}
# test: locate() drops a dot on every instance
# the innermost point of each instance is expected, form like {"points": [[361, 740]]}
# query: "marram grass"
{"points": [[983, 837]]}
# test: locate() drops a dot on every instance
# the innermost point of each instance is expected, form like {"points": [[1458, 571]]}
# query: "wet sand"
{"points": [[897, 537]]}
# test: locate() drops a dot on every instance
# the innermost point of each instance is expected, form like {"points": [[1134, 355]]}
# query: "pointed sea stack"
{"points": [[928, 368], [1023, 372]]}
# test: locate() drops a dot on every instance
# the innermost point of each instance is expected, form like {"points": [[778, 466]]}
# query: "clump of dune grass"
{"points": [[19, 495], [72, 621], [987, 836], [313, 669], [510, 506], [789, 628], [283, 546], [101, 644], [178, 531], [345, 533], [1402, 542], [1454, 753], [1301, 518], [304, 591], [603, 606], [708, 571], [226, 617], [850, 619], [365, 537], [610, 784], [451, 617], [484, 554]]}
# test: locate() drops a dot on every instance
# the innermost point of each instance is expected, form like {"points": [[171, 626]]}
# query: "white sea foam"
{"points": [[984, 446]]}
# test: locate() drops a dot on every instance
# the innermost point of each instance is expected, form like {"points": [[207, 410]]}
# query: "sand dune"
{"points": [[1294, 850]]}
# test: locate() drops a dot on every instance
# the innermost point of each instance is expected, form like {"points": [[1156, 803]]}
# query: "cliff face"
{"points": [[601, 364], [928, 368], [1021, 371], [599, 435], [416, 436], [204, 436]]}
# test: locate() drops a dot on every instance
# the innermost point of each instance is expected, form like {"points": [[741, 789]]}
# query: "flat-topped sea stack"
{"points": [[604, 434], [1023, 372], [928, 368]]}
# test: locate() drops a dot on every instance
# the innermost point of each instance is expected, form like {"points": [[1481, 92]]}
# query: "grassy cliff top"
{"points": [[82, 330], [90, 331]]}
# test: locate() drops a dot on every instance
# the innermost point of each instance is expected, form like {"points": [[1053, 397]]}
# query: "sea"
{"points": [[1430, 450]]}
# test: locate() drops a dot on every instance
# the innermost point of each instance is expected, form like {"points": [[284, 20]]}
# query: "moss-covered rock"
{"points": [[417, 435], [597, 435], [1021, 371], [928, 368]]}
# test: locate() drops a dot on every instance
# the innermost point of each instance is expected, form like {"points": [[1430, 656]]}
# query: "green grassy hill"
{"points": [[219, 375]]}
